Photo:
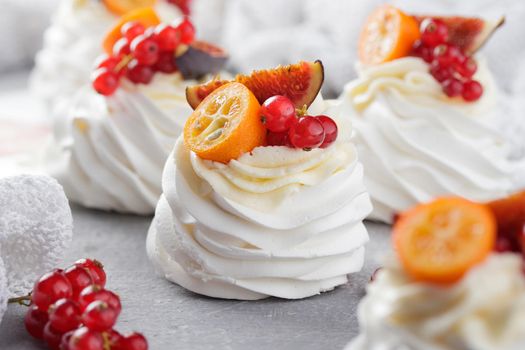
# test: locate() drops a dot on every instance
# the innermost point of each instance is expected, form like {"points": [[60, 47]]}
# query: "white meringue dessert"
{"points": [[109, 153], [483, 311], [71, 45], [277, 221], [416, 143]]}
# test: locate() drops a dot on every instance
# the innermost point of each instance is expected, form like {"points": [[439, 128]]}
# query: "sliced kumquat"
{"points": [[146, 16], [388, 34], [121, 7], [225, 125], [440, 241]]}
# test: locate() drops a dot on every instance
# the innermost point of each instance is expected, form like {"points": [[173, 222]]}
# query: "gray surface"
{"points": [[173, 318]]}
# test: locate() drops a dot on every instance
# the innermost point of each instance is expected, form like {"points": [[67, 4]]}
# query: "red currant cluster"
{"points": [[288, 127], [71, 310], [141, 52], [449, 65]]}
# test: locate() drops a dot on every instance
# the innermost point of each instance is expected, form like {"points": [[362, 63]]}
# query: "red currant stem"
{"points": [[301, 112], [106, 340], [24, 300], [123, 63], [95, 261]]}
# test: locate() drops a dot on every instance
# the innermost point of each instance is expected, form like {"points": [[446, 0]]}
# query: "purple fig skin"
{"points": [[197, 62]]}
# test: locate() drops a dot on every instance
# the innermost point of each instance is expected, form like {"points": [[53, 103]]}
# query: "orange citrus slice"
{"points": [[388, 34], [225, 125], [121, 7], [147, 16], [439, 242]]}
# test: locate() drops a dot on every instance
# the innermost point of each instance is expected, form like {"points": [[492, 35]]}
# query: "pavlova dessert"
{"points": [[456, 283], [422, 107], [110, 150], [261, 201], [73, 41]]}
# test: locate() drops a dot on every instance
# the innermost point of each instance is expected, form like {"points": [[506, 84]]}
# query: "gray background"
{"points": [[173, 318]]}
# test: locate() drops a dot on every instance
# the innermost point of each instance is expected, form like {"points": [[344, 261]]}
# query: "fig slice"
{"points": [[469, 33], [299, 82], [201, 58]]}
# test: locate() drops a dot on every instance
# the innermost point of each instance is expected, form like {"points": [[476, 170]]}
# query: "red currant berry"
{"points": [[145, 50], [167, 37], [105, 82], [278, 113], [96, 269], [166, 63], [448, 55], [441, 73], [52, 337], [433, 32], [472, 90], [64, 315], [278, 139], [307, 133], [467, 67], [133, 341], [132, 29], [93, 293], [64, 342], [187, 31], [423, 51], [35, 321], [114, 338], [139, 74], [98, 316], [452, 87], [79, 277], [108, 62], [330, 130], [503, 245], [50, 288], [121, 48], [86, 339]]}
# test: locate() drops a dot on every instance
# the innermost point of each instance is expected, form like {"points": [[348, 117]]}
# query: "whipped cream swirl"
{"points": [[416, 143], [483, 311], [110, 151], [71, 45], [275, 222]]}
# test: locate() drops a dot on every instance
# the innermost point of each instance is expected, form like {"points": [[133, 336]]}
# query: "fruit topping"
{"points": [[510, 217], [121, 7], [147, 17], [440, 241], [278, 114], [225, 125], [330, 130], [288, 126], [467, 33], [307, 133], [445, 43], [201, 58], [140, 45], [449, 64], [388, 34], [299, 82]]}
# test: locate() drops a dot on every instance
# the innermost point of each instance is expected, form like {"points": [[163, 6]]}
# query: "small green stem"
{"points": [[24, 300]]}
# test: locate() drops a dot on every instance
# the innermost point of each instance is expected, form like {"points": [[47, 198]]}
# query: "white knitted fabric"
{"points": [[36, 228]]}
